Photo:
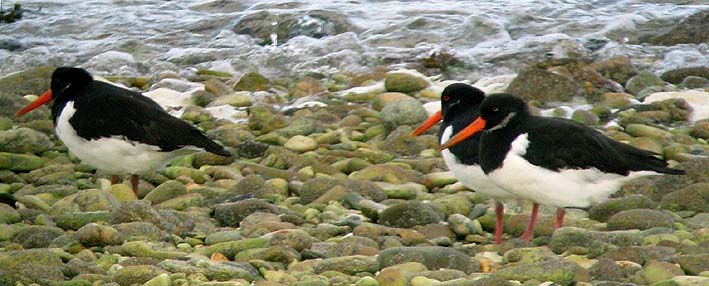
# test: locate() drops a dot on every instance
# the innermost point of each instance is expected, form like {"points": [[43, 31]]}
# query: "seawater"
{"points": [[490, 37]]}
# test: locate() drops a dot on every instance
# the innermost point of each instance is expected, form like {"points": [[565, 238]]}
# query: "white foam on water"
{"points": [[491, 37]]}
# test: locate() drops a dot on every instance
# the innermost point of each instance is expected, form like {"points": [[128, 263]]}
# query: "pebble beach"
{"points": [[326, 186]]}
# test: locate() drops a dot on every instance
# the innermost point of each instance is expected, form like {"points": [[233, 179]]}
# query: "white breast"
{"points": [[566, 188], [115, 155], [472, 176]]}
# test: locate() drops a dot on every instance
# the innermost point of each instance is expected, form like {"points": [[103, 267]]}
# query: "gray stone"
{"points": [[350, 265], [313, 23], [85, 201], [8, 215], [541, 85], [403, 112], [404, 83], [642, 81], [433, 257], [139, 274], [98, 235], [410, 214], [166, 191], [640, 219], [558, 271], [601, 212], [693, 198], [694, 264], [24, 140], [135, 211], [36, 236], [27, 266], [567, 237], [231, 214]]}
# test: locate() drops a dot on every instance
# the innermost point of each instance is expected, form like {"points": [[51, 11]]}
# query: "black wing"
{"points": [[563, 144], [108, 111]]}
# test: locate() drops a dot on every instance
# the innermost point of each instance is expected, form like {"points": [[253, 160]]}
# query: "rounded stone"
{"points": [[404, 82], [301, 143], [410, 214], [98, 235], [640, 219], [403, 112], [37, 236], [24, 140], [165, 191]]}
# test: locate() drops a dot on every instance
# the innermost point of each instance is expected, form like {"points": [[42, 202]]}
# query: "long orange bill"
{"points": [[42, 99], [430, 122], [468, 131]]}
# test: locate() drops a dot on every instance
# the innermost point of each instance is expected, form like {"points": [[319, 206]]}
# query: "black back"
{"points": [[460, 105], [105, 110], [556, 143]]}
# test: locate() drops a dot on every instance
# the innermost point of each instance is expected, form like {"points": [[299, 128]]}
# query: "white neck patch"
{"points": [[504, 122]]}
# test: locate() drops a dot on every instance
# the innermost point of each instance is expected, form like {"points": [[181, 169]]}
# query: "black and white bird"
{"points": [[115, 129], [553, 161], [460, 104]]}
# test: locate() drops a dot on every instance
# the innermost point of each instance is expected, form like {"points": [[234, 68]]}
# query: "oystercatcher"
{"points": [[553, 161], [115, 129], [460, 103]]}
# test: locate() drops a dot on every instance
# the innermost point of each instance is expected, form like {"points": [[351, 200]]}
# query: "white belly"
{"points": [[114, 155], [566, 188], [471, 176]]}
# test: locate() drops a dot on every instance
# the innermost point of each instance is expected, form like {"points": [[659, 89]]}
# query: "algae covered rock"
{"points": [[433, 257], [542, 85], [20, 162], [404, 82], [403, 112], [24, 140], [640, 219], [604, 210], [410, 214], [559, 271], [33, 265], [252, 81], [694, 198], [37, 236]]}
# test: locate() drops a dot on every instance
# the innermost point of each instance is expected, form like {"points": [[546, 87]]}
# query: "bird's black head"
{"points": [[458, 98], [496, 112], [66, 78], [499, 110]]}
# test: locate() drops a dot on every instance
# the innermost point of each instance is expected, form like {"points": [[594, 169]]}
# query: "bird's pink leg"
{"points": [[559, 217], [134, 181], [529, 233], [499, 216]]}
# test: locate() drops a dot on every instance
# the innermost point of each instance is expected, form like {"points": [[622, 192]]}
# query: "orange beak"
{"points": [[42, 99], [435, 118], [468, 131]]}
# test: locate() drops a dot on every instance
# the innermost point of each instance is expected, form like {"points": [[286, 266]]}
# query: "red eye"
{"points": [[446, 98]]}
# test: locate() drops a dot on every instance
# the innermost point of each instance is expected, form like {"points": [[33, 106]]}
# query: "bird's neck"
{"points": [[496, 144]]}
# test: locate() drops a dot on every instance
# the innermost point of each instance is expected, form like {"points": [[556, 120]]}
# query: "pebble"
{"points": [[338, 193]]}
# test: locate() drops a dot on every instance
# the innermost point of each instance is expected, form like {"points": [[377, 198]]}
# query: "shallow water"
{"points": [[491, 37]]}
